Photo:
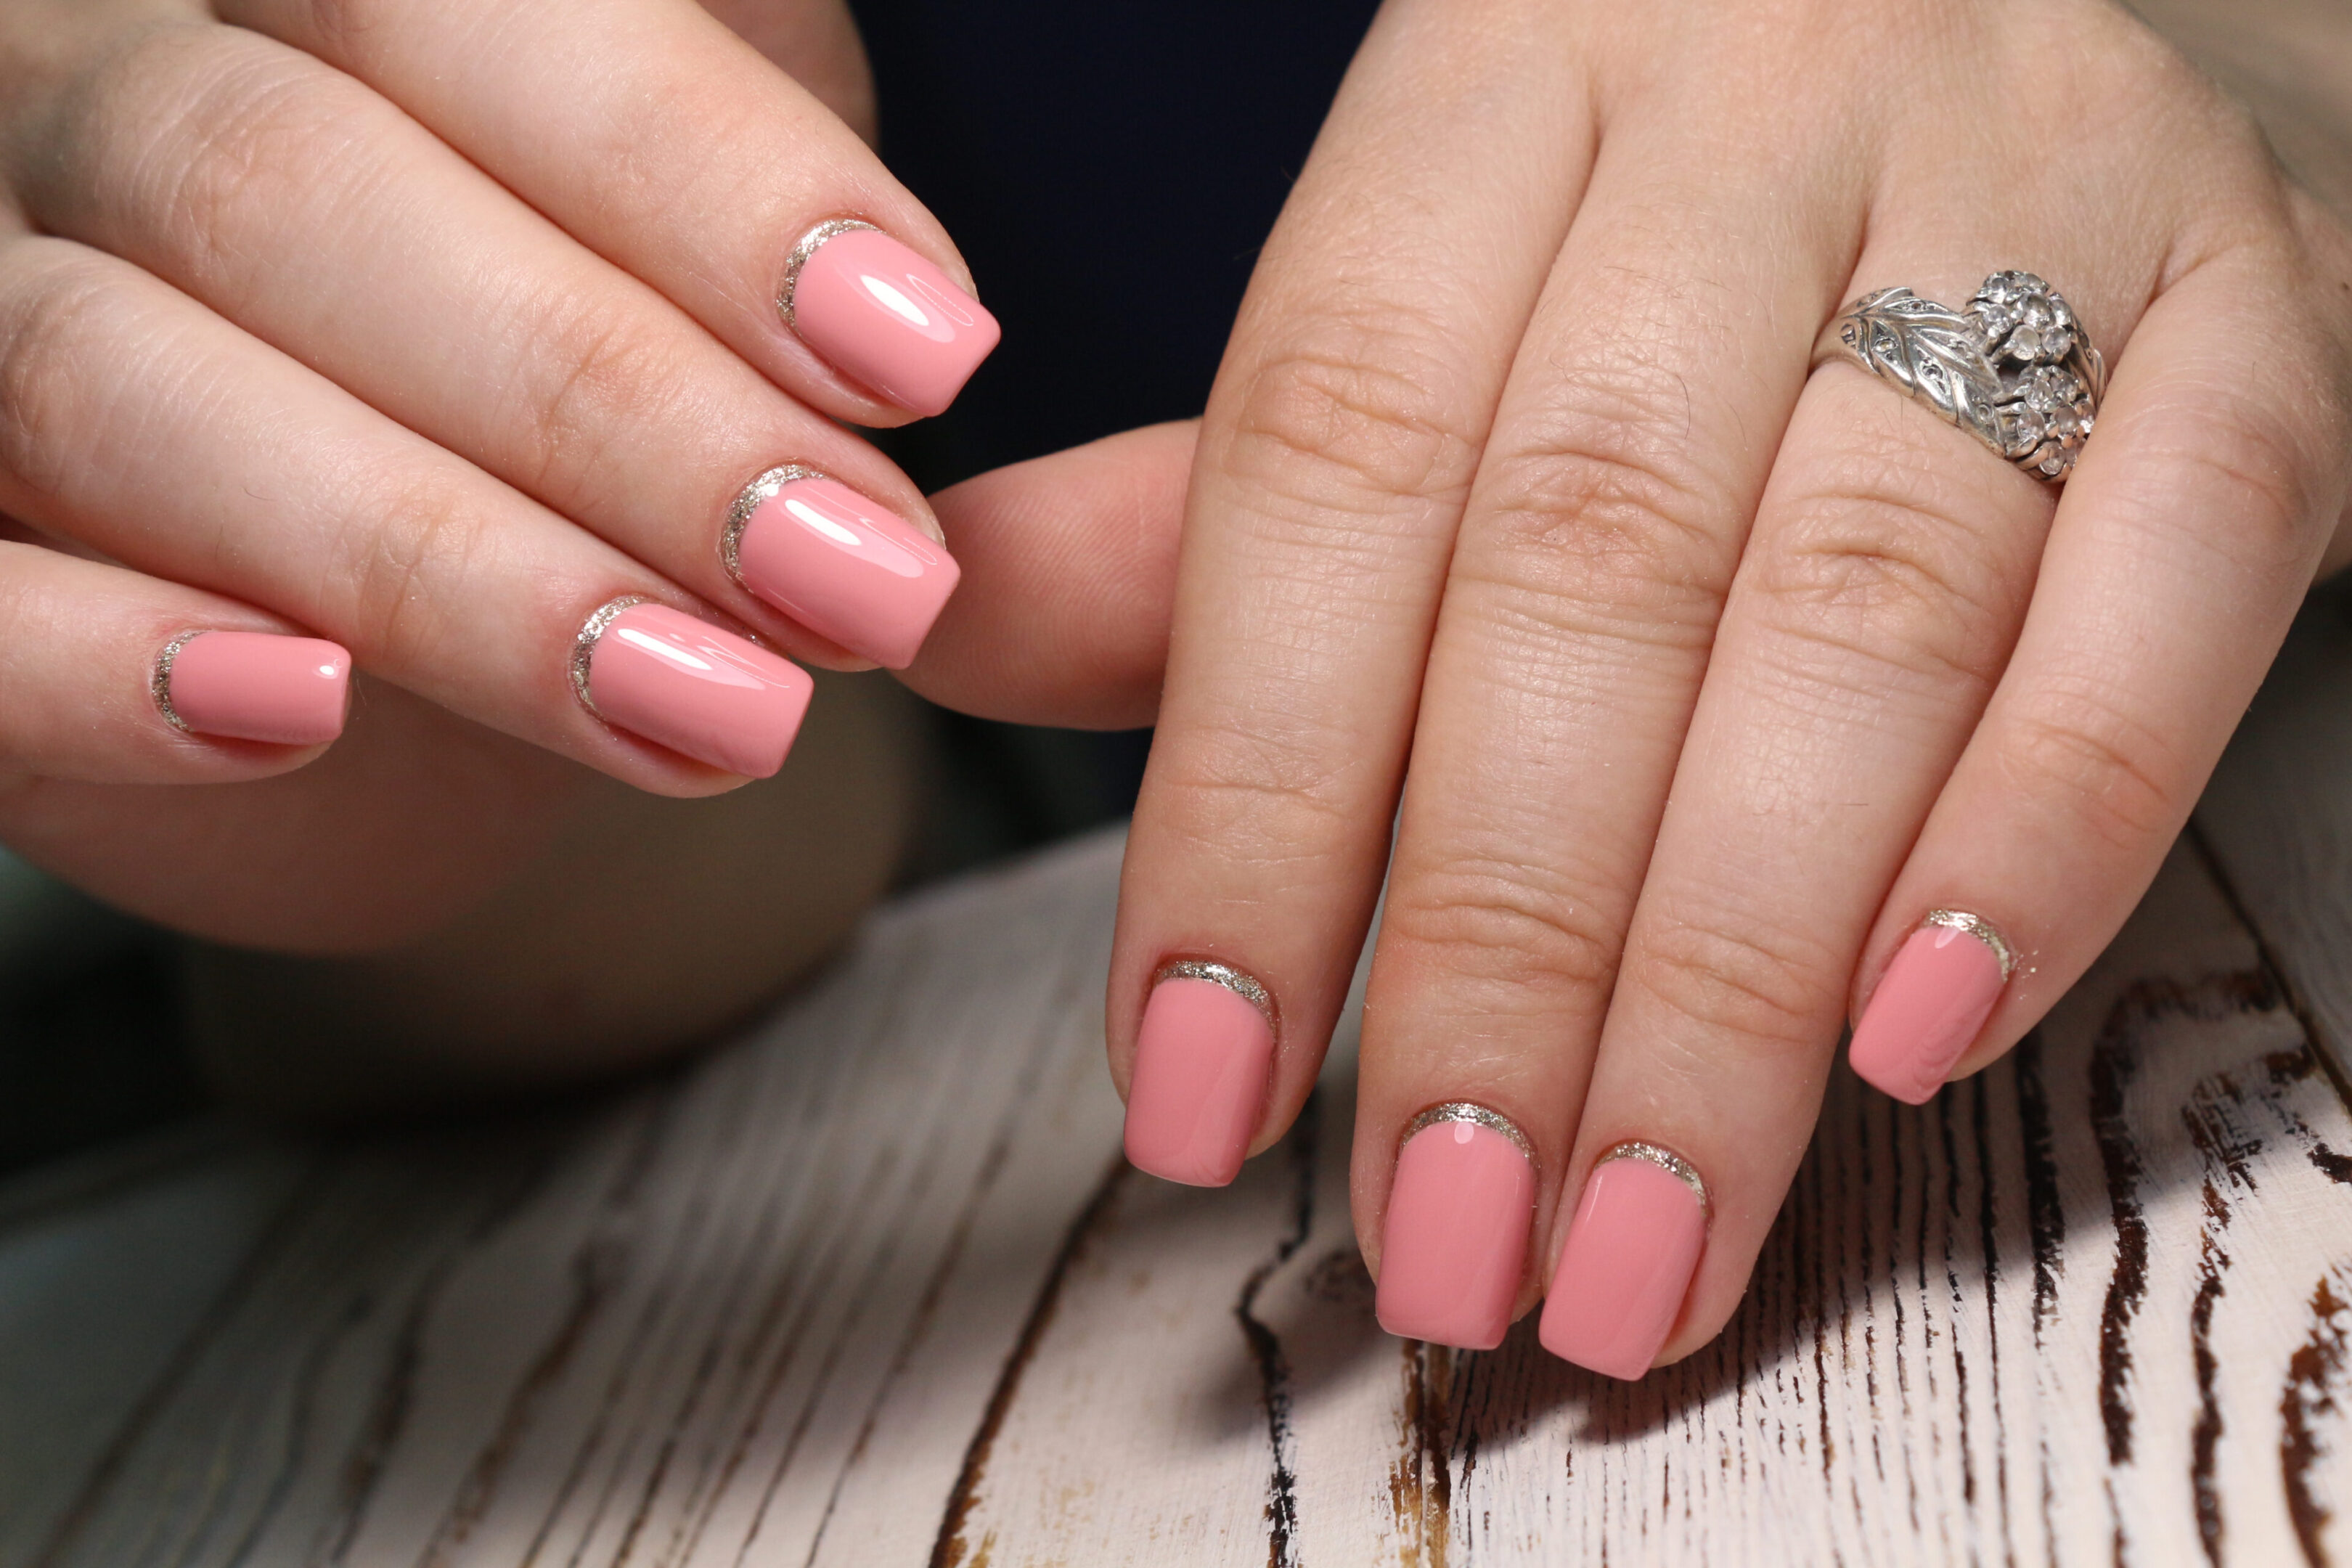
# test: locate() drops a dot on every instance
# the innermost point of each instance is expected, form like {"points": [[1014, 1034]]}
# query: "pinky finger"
{"points": [[2181, 550], [109, 676]]}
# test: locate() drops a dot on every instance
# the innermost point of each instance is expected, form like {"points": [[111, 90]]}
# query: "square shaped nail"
{"points": [[1627, 1265], [838, 564], [256, 685], [1199, 1087], [1930, 1006], [884, 316], [1454, 1243], [685, 684]]}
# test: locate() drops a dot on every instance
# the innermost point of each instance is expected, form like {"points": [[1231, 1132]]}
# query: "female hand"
{"points": [[412, 335], [1726, 693]]}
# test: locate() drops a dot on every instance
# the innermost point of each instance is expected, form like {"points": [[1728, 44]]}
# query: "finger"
{"points": [[1069, 571], [666, 143], [147, 427], [1875, 606], [108, 677], [2185, 542], [1337, 452], [278, 192], [1609, 515]]}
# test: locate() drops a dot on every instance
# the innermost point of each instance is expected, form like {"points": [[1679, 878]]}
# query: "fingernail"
{"points": [[884, 316], [837, 563], [1926, 1013], [685, 684], [254, 685], [1631, 1252], [1455, 1240], [1200, 1081]]}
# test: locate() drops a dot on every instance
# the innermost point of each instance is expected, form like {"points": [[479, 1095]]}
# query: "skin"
{"points": [[1689, 675], [315, 320]]}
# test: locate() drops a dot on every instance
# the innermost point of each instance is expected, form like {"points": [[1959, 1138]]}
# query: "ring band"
{"points": [[2014, 368]]}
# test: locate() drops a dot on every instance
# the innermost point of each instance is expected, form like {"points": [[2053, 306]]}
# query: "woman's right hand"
{"points": [[427, 330]]}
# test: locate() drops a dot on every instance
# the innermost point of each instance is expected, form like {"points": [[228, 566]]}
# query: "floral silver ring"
{"points": [[2013, 367]]}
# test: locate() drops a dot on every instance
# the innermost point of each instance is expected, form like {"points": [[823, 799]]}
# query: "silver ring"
{"points": [[2014, 368]]}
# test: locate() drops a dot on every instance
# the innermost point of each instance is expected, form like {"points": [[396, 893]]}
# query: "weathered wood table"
{"points": [[872, 1287]]}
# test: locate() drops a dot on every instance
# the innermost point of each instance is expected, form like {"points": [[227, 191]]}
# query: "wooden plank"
{"points": [[871, 1288], [2087, 1309]]}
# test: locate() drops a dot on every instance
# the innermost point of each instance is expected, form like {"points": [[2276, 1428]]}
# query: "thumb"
{"points": [[1069, 575]]}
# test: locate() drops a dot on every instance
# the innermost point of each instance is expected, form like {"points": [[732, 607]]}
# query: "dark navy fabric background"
{"points": [[1109, 171]]}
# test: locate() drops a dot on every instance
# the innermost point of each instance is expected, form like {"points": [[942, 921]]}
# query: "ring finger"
{"points": [[1877, 605]]}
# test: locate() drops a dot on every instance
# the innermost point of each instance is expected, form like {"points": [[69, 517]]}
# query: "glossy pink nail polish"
{"points": [[1455, 1240], [1200, 1083], [839, 564], [256, 685], [685, 684], [884, 316], [1926, 1012], [1632, 1250]]}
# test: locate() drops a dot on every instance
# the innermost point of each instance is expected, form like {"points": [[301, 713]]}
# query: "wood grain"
{"points": [[872, 1287]]}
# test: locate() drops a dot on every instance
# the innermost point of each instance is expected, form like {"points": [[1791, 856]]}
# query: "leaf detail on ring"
{"points": [[1936, 355]]}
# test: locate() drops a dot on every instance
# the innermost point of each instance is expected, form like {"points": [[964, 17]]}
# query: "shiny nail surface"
{"points": [[1200, 1081], [682, 683], [838, 564], [254, 685], [1456, 1239], [1928, 1009], [1631, 1252], [884, 316]]}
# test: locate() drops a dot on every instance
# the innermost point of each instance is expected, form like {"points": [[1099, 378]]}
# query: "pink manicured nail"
{"points": [[1456, 1236], [1201, 1061], [1631, 1252], [885, 316], [254, 685], [837, 563], [685, 684], [1926, 1013]]}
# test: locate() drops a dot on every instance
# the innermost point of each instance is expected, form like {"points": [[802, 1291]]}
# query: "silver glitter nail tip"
{"points": [[1242, 985], [159, 682], [584, 647], [1980, 929], [1665, 1160], [1469, 1111], [755, 495], [799, 258]]}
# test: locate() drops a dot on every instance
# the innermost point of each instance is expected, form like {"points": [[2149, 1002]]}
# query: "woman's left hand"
{"points": [[1727, 692]]}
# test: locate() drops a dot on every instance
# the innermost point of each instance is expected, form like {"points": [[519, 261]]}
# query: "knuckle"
{"points": [[1607, 507], [60, 307], [193, 136], [1357, 411], [593, 376], [417, 534], [2195, 441], [1878, 567], [2108, 773], [1262, 792], [1762, 990], [1504, 921]]}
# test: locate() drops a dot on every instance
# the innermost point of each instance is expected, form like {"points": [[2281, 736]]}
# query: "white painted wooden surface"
{"points": [[871, 1288]]}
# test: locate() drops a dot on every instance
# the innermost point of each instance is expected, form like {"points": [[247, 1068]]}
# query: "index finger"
{"points": [[661, 140]]}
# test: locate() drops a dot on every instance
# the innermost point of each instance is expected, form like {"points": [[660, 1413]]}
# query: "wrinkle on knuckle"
{"points": [[57, 323], [1763, 989], [1898, 581], [2188, 442], [1230, 781], [206, 142], [2079, 750], [1504, 921], [586, 379], [401, 559], [1355, 413]]}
